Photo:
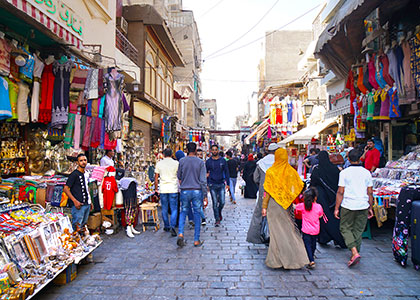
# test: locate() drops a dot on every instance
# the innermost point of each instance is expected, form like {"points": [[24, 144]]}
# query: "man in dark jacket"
{"points": [[217, 177]]}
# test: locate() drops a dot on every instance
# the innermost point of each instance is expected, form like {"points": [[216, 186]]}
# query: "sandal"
{"points": [[311, 265], [354, 261], [200, 243], [181, 242]]}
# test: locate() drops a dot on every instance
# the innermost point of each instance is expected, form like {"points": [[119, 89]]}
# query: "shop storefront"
{"points": [[54, 104]]}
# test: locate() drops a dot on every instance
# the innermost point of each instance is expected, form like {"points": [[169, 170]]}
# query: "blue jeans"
{"points": [[80, 216], [169, 200], [217, 192], [232, 187], [190, 198], [310, 245]]}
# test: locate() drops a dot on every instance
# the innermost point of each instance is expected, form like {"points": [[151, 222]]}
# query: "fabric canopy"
{"points": [[260, 130], [305, 135]]}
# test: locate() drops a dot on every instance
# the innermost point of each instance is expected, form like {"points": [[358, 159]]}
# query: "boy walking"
{"points": [[355, 197]]}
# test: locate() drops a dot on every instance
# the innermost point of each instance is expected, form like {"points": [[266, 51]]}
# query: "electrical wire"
{"points": [[248, 31], [266, 35], [210, 9]]}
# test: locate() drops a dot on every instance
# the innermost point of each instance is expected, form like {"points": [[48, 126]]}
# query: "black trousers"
{"points": [[310, 245]]}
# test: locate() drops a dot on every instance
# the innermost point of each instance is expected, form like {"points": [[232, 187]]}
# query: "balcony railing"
{"points": [[124, 45]]}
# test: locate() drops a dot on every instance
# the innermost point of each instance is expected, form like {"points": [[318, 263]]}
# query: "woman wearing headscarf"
{"points": [[282, 185], [248, 176], [325, 178]]}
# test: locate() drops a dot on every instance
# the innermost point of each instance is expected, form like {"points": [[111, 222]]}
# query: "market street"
{"points": [[227, 267]]}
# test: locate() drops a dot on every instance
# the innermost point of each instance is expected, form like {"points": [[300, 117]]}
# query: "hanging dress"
{"points": [[360, 85], [113, 104], [394, 108], [377, 101], [38, 68], [350, 87], [366, 83], [370, 106], [399, 55], [60, 107], [294, 116], [383, 58], [13, 96], [372, 73], [5, 108], [22, 103], [393, 68], [47, 90], [415, 60], [384, 112], [409, 87]]}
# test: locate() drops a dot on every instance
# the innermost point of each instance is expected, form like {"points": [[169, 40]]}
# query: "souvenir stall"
{"points": [[201, 138], [37, 248], [285, 115]]}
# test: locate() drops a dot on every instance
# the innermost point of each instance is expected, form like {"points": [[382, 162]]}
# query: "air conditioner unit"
{"points": [[122, 24]]}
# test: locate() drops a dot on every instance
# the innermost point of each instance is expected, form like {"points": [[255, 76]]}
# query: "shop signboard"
{"points": [[334, 98], [61, 13]]}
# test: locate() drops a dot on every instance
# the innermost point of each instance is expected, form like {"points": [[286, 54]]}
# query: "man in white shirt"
{"points": [[167, 170], [107, 160], [355, 197]]}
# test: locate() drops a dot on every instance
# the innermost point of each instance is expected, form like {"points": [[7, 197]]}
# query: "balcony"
{"points": [[124, 45]]}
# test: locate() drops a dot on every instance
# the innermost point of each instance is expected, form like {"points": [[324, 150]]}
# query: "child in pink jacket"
{"points": [[311, 213]]}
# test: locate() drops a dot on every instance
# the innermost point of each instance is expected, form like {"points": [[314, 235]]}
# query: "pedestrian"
{"points": [[311, 161], [248, 176], [167, 169], [371, 156], [311, 213], [217, 178], [324, 178], [180, 155], [254, 231], [233, 168], [77, 190], [192, 177], [108, 159], [355, 198], [259, 156], [282, 185], [200, 155]]}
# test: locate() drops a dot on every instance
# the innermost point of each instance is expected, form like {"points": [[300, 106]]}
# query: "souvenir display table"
{"points": [[35, 247]]}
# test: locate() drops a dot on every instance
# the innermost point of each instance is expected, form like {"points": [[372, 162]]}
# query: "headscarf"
{"points": [[250, 157], [282, 181], [327, 171], [179, 154], [266, 162]]}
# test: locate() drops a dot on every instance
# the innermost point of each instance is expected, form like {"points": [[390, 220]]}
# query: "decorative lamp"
{"points": [[308, 107]]}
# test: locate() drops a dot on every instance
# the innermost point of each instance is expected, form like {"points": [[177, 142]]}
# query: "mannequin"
{"points": [[50, 59]]}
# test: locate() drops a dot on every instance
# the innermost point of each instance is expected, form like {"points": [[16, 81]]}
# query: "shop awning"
{"points": [[260, 130], [69, 33], [340, 44], [305, 135], [338, 111]]}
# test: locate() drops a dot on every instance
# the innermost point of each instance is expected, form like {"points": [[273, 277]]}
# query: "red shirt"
{"points": [[109, 188], [372, 159]]}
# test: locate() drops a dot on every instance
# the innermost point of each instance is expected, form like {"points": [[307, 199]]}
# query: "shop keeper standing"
{"points": [[108, 159], [77, 190], [371, 156]]}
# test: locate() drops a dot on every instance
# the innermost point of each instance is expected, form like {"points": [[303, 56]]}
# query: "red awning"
{"points": [[178, 96], [32, 11]]}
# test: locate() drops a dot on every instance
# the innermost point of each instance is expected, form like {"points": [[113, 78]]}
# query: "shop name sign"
{"points": [[338, 96], [61, 13]]}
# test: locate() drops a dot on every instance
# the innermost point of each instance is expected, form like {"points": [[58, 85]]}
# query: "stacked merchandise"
{"points": [[388, 181], [36, 247]]}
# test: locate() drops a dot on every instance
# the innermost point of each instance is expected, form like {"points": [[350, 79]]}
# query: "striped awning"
{"points": [[66, 36]]}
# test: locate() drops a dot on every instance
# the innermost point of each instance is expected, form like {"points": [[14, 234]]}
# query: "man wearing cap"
{"points": [[254, 231], [76, 189]]}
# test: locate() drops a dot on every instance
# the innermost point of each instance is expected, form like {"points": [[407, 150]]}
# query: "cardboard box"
{"points": [[41, 195], [94, 221], [68, 275]]}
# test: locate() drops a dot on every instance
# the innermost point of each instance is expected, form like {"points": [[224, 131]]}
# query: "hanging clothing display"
{"points": [[130, 199], [370, 106], [383, 58], [394, 108], [384, 112], [5, 108], [113, 105], [350, 86], [415, 60], [360, 85], [27, 70], [36, 90], [109, 189], [47, 89], [409, 86], [60, 107], [377, 101], [5, 49], [13, 97], [22, 103]]}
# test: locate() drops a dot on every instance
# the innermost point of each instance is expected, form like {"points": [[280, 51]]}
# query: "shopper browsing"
{"points": [[76, 189], [192, 177], [166, 170], [355, 197], [311, 213]]}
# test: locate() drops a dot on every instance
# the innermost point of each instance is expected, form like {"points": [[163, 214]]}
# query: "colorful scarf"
{"points": [[68, 136]]}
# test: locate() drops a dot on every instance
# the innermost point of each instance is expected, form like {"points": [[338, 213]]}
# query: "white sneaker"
{"points": [[134, 230], [129, 232]]}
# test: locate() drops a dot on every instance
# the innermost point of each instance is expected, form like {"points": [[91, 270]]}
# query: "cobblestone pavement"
{"points": [[151, 267]]}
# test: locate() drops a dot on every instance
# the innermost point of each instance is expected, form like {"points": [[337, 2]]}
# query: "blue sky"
{"points": [[227, 21]]}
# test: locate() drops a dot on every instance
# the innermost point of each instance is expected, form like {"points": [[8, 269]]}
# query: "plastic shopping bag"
{"points": [[265, 233]]}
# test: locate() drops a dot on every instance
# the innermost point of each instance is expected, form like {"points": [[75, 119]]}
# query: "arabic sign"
{"points": [[62, 14], [338, 96]]}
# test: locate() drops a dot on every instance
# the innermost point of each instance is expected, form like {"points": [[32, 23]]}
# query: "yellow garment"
{"points": [[282, 182]]}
